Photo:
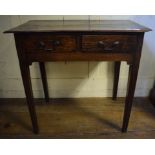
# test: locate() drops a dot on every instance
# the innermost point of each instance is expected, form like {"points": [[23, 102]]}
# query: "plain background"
{"points": [[73, 79]]}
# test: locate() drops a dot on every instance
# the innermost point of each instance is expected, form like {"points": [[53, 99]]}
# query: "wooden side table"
{"points": [[107, 40]]}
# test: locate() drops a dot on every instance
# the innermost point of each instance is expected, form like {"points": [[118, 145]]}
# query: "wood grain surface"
{"points": [[79, 25], [77, 118]]}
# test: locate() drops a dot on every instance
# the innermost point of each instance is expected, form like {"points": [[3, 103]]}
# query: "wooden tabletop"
{"points": [[79, 25]]}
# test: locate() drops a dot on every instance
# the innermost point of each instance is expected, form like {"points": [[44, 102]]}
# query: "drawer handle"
{"points": [[49, 49], [101, 44], [110, 47], [55, 43]]}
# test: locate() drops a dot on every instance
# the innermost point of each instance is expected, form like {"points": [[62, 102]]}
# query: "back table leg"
{"points": [[116, 78], [44, 80]]}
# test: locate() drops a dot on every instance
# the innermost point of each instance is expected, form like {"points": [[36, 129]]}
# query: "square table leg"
{"points": [[116, 78], [132, 79], [133, 72], [25, 72], [44, 80]]}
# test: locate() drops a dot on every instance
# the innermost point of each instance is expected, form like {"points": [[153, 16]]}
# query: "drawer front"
{"points": [[109, 43], [49, 43]]}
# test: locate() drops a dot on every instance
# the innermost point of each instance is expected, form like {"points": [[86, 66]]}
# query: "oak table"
{"points": [[107, 40]]}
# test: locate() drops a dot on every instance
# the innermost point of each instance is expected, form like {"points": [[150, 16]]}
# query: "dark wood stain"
{"points": [[115, 40], [57, 43], [117, 66], [126, 43], [79, 26]]}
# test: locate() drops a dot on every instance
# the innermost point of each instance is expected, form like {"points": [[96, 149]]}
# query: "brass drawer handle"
{"points": [[110, 47], [55, 43]]}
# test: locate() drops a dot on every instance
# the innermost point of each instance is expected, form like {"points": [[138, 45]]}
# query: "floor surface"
{"points": [[77, 118]]}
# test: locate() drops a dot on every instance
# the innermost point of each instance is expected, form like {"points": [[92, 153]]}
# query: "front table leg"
{"points": [[25, 72], [132, 78]]}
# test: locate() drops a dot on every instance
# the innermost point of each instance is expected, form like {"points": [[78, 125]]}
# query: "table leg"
{"points": [[133, 72], [25, 72], [132, 79], [116, 79], [44, 80]]}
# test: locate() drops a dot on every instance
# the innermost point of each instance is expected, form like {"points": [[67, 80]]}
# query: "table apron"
{"points": [[31, 57]]}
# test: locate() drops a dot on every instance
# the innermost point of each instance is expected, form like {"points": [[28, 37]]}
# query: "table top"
{"points": [[79, 25]]}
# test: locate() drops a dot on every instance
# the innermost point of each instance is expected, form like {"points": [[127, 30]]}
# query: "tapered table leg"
{"points": [[44, 80], [133, 72], [25, 72], [132, 79], [116, 78]]}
